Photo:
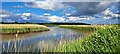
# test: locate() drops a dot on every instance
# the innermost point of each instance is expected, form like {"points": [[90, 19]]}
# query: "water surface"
{"points": [[40, 40]]}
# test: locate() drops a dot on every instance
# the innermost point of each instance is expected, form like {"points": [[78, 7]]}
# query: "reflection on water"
{"points": [[39, 41]]}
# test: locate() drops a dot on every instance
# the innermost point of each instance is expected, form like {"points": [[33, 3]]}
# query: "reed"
{"points": [[18, 46], [22, 28], [80, 27], [105, 39]]}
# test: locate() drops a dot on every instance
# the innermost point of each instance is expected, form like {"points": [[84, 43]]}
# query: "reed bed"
{"points": [[105, 39], [80, 27], [22, 28], [84, 28]]}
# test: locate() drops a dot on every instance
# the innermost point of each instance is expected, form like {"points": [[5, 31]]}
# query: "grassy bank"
{"points": [[82, 27], [22, 28], [105, 39]]}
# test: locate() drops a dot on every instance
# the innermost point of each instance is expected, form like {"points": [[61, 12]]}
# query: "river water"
{"points": [[39, 41]]}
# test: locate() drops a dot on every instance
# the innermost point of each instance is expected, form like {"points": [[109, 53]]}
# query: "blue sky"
{"points": [[10, 7], [85, 12]]}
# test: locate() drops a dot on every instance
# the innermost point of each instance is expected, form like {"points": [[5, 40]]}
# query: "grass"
{"points": [[105, 39], [22, 28], [82, 27]]}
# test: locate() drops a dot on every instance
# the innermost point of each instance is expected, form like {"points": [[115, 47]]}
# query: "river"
{"points": [[40, 40]]}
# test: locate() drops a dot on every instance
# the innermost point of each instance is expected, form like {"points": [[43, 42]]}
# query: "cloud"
{"points": [[56, 19], [108, 14], [80, 19], [75, 18], [26, 14], [3, 16], [45, 5], [81, 7], [85, 8], [4, 13], [47, 14], [116, 15], [29, 17]]}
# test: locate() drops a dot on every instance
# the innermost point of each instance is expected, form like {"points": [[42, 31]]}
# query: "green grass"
{"points": [[22, 28], [105, 39]]}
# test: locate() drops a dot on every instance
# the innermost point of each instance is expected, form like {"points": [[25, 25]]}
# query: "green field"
{"points": [[22, 28], [105, 39]]}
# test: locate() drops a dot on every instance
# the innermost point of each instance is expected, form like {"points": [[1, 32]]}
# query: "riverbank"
{"points": [[105, 39], [80, 27], [22, 28]]}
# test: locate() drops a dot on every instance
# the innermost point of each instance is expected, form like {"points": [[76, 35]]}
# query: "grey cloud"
{"points": [[86, 8], [81, 7]]}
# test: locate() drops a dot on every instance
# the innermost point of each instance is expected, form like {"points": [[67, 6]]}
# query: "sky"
{"points": [[76, 12]]}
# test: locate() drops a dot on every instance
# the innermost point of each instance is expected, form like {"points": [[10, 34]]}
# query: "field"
{"points": [[105, 39], [22, 28]]}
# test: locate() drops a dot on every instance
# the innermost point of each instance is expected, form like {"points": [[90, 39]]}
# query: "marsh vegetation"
{"points": [[22, 28], [104, 38]]}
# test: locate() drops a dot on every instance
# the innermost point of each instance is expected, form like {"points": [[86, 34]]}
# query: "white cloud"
{"points": [[55, 19], [26, 14], [4, 13], [116, 15], [45, 5], [47, 14], [2, 16], [79, 18], [107, 14], [73, 18]]}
